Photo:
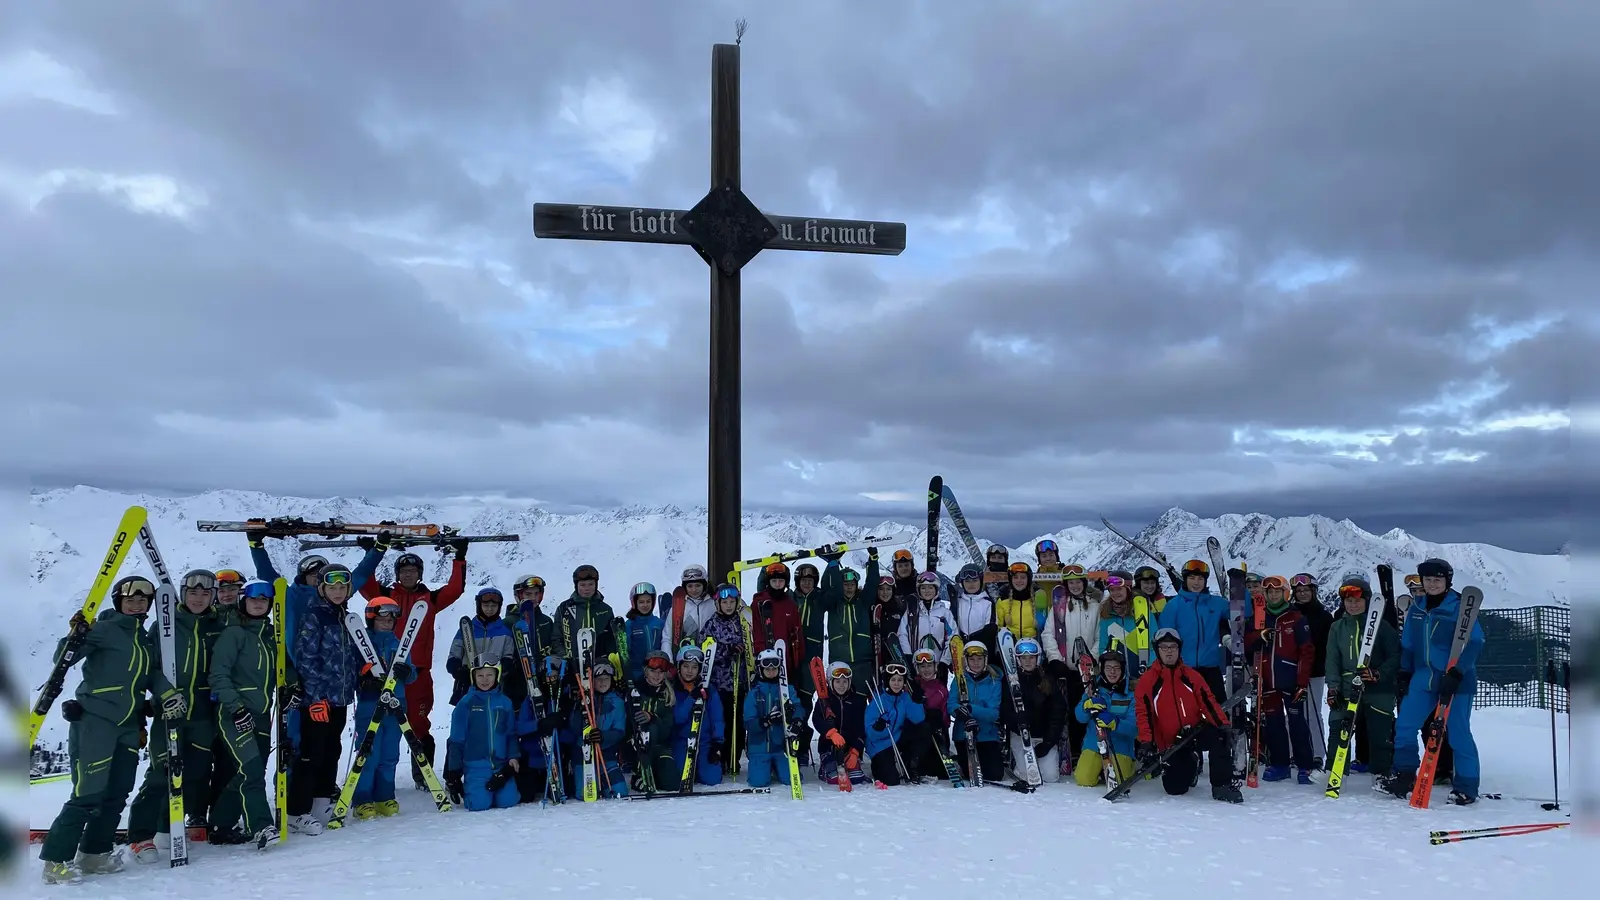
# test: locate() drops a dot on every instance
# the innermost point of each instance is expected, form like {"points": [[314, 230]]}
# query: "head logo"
{"points": [[110, 565]]}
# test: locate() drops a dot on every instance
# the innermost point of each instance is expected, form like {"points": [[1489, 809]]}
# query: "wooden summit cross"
{"points": [[727, 230]]}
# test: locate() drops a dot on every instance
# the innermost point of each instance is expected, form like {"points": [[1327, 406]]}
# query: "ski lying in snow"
{"points": [[1370, 624], [194, 834], [1030, 761], [871, 540], [293, 526], [442, 540], [167, 630], [953, 509], [121, 542], [670, 795], [1466, 622], [1474, 834]]}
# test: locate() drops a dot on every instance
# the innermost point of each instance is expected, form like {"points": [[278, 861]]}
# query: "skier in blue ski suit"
{"points": [[375, 790], [608, 733], [483, 755], [1426, 675], [763, 716], [982, 708], [893, 716], [642, 630], [708, 761]]}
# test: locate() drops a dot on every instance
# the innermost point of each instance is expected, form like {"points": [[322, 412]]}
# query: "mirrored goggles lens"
{"points": [[138, 588], [335, 577], [900, 555], [226, 577], [1048, 547], [1302, 580], [727, 593], [200, 580]]}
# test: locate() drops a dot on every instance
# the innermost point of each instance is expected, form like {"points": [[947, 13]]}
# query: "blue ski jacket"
{"points": [[763, 696], [711, 726], [527, 727], [1120, 713], [386, 643], [482, 729], [643, 634], [1200, 619], [1425, 645], [300, 596], [611, 716], [983, 696], [896, 710]]}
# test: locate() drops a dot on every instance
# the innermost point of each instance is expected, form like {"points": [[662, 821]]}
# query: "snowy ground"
{"points": [[916, 842]]}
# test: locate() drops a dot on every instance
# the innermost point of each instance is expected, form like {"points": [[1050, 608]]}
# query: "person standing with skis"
{"points": [[686, 692], [1283, 649], [850, 624], [1303, 590], [407, 591], [894, 726], [1014, 609], [244, 680], [1374, 681], [491, 637], [775, 617], [887, 611], [730, 668], [329, 664], [972, 608], [650, 707], [1426, 675], [1074, 613], [686, 610], [1201, 619], [1119, 627], [374, 794], [929, 687], [642, 630], [1172, 700], [106, 731], [927, 623], [980, 716], [1045, 710], [586, 607]]}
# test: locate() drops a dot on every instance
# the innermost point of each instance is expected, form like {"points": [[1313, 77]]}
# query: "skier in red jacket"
{"points": [[1172, 701], [1286, 679], [408, 590], [774, 616]]}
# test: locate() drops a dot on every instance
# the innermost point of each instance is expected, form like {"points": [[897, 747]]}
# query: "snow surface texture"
{"points": [[915, 842]]}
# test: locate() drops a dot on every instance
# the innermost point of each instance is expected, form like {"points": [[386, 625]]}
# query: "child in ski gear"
{"points": [[1073, 613], [887, 611], [708, 759], [1201, 619], [189, 704], [407, 591], [850, 626], [774, 617], [1303, 591], [1014, 609], [1172, 700], [491, 637], [840, 720], [651, 708], [927, 623], [585, 608], [728, 628], [1374, 681], [1107, 707], [105, 732], [329, 664], [642, 630], [1284, 648], [894, 721], [1048, 555], [933, 692], [1425, 670], [609, 731], [375, 789], [1045, 710], [981, 716], [482, 758], [243, 678], [904, 570], [814, 597], [1119, 627], [996, 580], [225, 612], [1146, 582], [972, 609], [765, 710], [685, 612]]}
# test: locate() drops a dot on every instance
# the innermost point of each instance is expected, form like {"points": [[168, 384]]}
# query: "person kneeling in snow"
{"points": [[1172, 702], [841, 720], [609, 731], [766, 708], [483, 755], [1107, 709], [894, 723]]}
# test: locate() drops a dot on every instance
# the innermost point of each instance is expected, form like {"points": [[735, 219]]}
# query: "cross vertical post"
{"points": [[724, 481]]}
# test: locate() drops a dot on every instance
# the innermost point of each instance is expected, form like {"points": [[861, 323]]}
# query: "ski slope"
{"points": [[912, 842]]}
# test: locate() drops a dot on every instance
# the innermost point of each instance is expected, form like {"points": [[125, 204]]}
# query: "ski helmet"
{"points": [[885, 580], [769, 657], [131, 586], [256, 590], [928, 578], [997, 550], [382, 606], [311, 565], [696, 573], [603, 668], [1196, 567], [726, 591], [1074, 572], [409, 559], [1021, 567], [485, 661], [230, 576], [1434, 567], [642, 588], [969, 572], [1027, 647], [585, 573], [1168, 636], [200, 578], [974, 648], [333, 573], [658, 659], [1146, 572], [1275, 582], [777, 570], [805, 570], [1111, 655], [691, 653], [925, 655], [1046, 546], [527, 583], [1304, 579], [490, 594], [838, 669]]}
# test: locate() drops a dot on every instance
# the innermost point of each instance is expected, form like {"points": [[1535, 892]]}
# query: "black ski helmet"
{"points": [[1144, 572], [1437, 568], [409, 559], [585, 573], [1357, 581], [132, 586]]}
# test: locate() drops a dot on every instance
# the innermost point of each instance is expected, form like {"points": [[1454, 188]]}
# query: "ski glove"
{"points": [[835, 738], [78, 625], [1367, 674], [918, 696], [641, 718], [255, 537], [1147, 753], [962, 712], [319, 712], [1449, 682], [714, 753], [384, 539], [546, 727], [1093, 708], [72, 710], [460, 548], [370, 684], [970, 725], [173, 706], [366, 543], [498, 780], [403, 672], [881, 724], [453, 785], [243, 722], [772, 717], [452, 666], [852, 761], [591, 735]]}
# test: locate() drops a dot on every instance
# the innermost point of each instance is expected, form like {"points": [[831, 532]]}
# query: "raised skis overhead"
{"points": [[293, 526]]}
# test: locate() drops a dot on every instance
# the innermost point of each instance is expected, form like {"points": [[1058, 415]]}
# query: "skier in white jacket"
{"points": [[927, 619], [1074, 613]]}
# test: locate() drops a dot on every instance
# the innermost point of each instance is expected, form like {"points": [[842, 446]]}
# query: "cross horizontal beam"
{"points": [[657, 225]]}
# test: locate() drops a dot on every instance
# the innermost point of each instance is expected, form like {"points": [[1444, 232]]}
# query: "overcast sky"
{"points": [[1232, 256]]}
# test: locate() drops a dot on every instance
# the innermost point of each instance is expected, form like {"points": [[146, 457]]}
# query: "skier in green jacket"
{"points": [[850, 625], [188, 702], [244, 681], [106, 732], [1378, 677]]}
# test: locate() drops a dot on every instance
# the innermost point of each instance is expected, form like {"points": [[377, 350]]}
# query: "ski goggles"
{"points": [[136, 587], [1351, 590], [230, 578], [728, 592], [838, 670], [1116, 581], [1413, 582], [926, 658], [260, 589], [893, 669], [659, 663], [642, 588], [1304, 579], [604, 670], [1046, 546], [204, 580], [1196, 567], [1073, 571], [902, 556], [851, 576], [336, 576]]}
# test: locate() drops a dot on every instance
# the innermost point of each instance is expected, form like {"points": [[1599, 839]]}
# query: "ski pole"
{"points": [[1473, 834]]}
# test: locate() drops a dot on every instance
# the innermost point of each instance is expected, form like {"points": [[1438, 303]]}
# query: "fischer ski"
{"points": [[526, 656], [1371, 622], [1466, 623], [442, 540], [591, 781], [1030, 761], [935, 497], [974, 552], [121, 542], [166, 626]]}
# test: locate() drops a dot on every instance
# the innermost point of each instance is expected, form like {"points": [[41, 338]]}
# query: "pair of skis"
{"points": [[1369, 638], [387, 705], [1086, 670], [528, 656], [696, 716], [1466, 621], [1030, 760], [958, 657]]}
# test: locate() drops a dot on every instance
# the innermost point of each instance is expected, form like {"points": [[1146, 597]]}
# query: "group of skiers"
{"points": [[995, 677]]}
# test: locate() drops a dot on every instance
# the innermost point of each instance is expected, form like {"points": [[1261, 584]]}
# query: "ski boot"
{"points": [[62, 873], [266, 837], [308, 825], [389, 808], [1304, 777], [1399, 784], [228, 837], [367, 811], [1358, 767], [1460, 799], [1226, 793], [144, 852], [108, 863], [1275, 773]]}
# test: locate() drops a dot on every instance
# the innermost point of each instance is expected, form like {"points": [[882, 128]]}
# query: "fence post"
{"points": [[1538, 654]]}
